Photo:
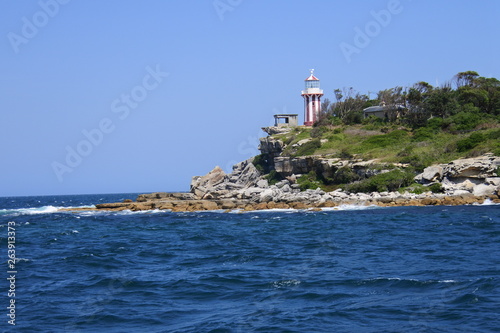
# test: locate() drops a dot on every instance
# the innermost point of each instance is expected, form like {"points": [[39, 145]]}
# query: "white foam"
{"points": [[37, 210], [348, 207], [488, 202]]}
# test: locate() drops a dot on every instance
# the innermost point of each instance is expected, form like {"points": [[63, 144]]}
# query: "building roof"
{"points": [[312, 78], [374, 108]]}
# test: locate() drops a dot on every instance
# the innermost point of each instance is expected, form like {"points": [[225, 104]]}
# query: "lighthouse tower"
{"points": [[312, 100]]}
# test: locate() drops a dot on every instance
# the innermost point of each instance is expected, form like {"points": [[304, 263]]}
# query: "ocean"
{"points": [[349, 269]]}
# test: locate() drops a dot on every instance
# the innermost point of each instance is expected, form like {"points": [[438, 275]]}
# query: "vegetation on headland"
{"points": [[423, 125]]}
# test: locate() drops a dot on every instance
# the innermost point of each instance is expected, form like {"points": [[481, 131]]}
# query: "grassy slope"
{"points": [[419, 148]]}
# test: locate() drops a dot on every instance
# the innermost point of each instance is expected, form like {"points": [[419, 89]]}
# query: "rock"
{"points": [[286, 166], [267, 195], [272, 130], [484, 190], [493, 181], [282, 183], [271, 146], [244, 174], [165, 195], [200, 186], [115, 205], [477, 167], [301, 142], [433, 173], [263, 183], [460, 192], [252, 192]]}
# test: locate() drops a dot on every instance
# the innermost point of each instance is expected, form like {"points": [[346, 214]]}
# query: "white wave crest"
{"points": [[349, 207], [37, 210]]}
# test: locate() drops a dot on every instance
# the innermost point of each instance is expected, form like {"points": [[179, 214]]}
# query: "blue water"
{"points": [[408, 269]]}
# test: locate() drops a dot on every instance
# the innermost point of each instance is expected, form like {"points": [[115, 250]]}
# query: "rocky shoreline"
{"points": [[465, 182], [309, 199], [248, 187]]}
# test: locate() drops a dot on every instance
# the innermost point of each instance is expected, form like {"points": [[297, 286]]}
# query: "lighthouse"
{"points": [[312, 100]]}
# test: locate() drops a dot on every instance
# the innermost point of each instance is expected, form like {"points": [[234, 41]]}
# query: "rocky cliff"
{"points": [[465, 177], [478, 176]]}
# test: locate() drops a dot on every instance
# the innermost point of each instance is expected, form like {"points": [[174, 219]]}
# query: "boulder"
{"points": [[263, 183], [433, 173], [484, 190], [244, 174], [267, 195], [200, 186]]}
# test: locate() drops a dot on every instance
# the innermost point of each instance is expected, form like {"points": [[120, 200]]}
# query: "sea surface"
{"points": [[350, 269]]}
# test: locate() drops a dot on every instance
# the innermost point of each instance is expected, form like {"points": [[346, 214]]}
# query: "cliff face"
{"points": [[286, 166]]}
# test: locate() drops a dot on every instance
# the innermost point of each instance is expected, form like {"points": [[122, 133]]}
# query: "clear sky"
{"points": [[138, 96]]}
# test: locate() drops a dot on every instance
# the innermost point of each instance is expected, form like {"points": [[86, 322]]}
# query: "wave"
{"points": [[37, 210], [350, 207], [487, 202]]}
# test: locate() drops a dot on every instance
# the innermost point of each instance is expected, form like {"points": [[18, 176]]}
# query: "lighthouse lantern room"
{"points": [[312, 100]]}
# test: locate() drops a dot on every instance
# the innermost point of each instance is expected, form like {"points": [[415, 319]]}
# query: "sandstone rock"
{"points": [[267, 195], [433, 173], [114, 205], [200, 186], [263, 183], [286, 166], [272, 130], [493, 181], [484, 190], [478, 167], [301, 142], [245, 174], [271, 146]]}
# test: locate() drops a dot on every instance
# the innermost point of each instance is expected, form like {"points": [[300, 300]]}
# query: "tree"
{"points": [[463, 79], [349, 101], [394, 100]]}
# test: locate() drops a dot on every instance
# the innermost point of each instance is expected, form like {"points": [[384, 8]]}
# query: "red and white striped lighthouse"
{"points": [[312, 100]]}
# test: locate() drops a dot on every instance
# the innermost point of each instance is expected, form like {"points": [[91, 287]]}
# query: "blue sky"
{"points": [[129, 96]]}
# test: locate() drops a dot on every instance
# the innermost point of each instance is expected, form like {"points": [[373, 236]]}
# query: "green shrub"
{"points": [[435, 123], [355, 117], [418, 161], [464, 121], [372, 120], [308, 148], [494, 134], [335, 121], [470, 142], [423, 133], [436, 188], [389, 181], [317, 132], [261, 162], [414, 188], [309, 181], [344, 175], [273, 177], [338, 130], [345, 154]]}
